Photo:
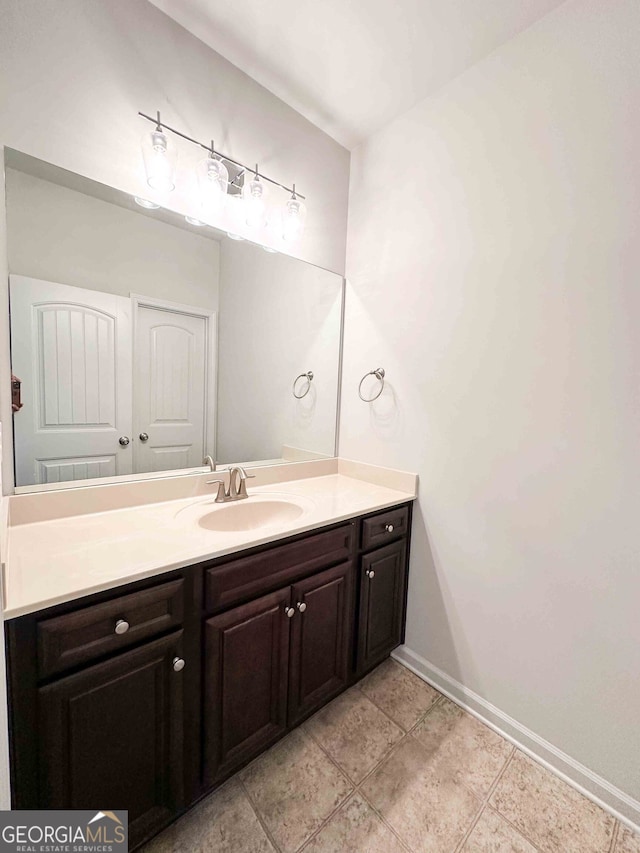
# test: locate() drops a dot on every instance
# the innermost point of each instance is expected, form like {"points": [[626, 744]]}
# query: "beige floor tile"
{"points": [[356, 827], [224, 822], [628, 842], [295, 787], [476, 752], [402, 695], [420, 798], [551, 814], [492, 834], [355, 733]]}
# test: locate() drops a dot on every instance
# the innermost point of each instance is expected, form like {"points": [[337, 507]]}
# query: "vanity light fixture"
{"points": [[160, 156], [215, 188], [293, 218], [254, 195], [193, 221], [213, 179]]}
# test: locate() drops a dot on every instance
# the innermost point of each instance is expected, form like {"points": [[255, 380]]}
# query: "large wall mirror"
{"points": [[142, 343]]}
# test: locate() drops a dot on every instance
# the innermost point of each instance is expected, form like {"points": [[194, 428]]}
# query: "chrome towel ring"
{"points": [[379, 374], [308, 376]]}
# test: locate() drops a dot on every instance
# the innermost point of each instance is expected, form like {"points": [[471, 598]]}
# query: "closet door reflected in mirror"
{"points": [[142, 344]]}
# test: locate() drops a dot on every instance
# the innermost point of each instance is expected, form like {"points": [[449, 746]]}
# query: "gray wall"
{"points": [[504, 305], [278, 318], [57, 234]]}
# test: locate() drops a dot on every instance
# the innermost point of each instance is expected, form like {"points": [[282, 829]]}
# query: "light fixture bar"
{"points": [[160, 124]]}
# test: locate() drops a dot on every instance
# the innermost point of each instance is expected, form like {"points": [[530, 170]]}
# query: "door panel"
{"points": [[170, 389], [320, 639], [245, 682], [71, 348], [382, 583], [113, 734]]}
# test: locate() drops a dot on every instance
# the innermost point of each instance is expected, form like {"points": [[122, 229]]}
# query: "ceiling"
{"points": [[350, 66]]}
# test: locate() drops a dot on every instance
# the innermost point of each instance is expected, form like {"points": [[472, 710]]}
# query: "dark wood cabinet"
{"points": [[381, 608], [102, 715], [288, 650], [246, 663], [110, 736], [320, 634]]}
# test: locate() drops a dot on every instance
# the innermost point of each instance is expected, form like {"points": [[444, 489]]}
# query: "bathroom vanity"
{"points": [[147, 695]]}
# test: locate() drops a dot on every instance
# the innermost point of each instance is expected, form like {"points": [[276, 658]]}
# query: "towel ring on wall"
{"points": [[379, 374], [308, 376]]}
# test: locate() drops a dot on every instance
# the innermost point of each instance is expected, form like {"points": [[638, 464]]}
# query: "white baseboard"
{"points": [[597, 789]]}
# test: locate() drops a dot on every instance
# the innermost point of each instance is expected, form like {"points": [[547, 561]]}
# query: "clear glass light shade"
{"points": [[294, 215], [255, 202], [213, 179], [160, 156]]}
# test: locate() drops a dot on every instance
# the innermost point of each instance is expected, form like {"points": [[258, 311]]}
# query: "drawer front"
{"points": [[82, 636], [385, 527], [247, 577]]}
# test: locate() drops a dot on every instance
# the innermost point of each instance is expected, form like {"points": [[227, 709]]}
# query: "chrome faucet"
{"points": [[238, 483], [237, 490], [209, 461]]}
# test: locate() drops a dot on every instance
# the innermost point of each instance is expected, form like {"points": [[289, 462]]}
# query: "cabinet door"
{"points": [[245, 682], [111, 736], [382, 585], [320, 632]]}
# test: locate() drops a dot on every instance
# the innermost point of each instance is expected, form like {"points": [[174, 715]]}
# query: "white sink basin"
{"points": [[253, 513], [245, 515]]}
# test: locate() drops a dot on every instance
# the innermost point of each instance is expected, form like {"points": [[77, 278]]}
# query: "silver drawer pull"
{"points": [[301, 606], [122, 626], [178, 664], [371, 574], [389, 528], [289, 611]]}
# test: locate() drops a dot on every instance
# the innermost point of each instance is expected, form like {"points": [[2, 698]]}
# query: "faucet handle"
{"points": [[221, 495]]}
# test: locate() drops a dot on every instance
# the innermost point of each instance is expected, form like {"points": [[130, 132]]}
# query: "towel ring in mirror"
{"points": [[308, 376], [379, 374]]}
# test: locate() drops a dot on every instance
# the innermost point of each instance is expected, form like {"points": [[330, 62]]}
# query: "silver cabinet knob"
{"points": [[122, 626], [178, 664], [389, 528], [289, 611], [371, 574], [124, 440], [301, 606], [143, 436]]}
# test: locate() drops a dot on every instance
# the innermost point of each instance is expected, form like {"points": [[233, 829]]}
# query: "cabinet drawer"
{"points": [[385, 527], [82, 636], [248, 577]]}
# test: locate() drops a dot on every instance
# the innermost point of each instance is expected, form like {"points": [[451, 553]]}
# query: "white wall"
{"points": [[497, 282], [278, 318], [57, 234]]}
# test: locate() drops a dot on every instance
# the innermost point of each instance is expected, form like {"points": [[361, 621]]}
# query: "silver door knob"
{"points": [[178, 664], [289, 611], [371, 574], [122, 626], [124, 440], [389, 528], [301, 606], [143, 436]]}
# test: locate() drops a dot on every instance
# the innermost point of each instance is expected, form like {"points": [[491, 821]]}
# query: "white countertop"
{"points": [[60, 559]]}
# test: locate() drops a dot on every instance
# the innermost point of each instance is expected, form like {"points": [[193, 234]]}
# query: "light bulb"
{"points": [[213, 179], [159, 160], [146, 203], [255, 201], [193, 221], [293, 217]]}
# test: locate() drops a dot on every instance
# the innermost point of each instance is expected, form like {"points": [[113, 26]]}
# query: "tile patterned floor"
{"points": [[391, 766]]}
